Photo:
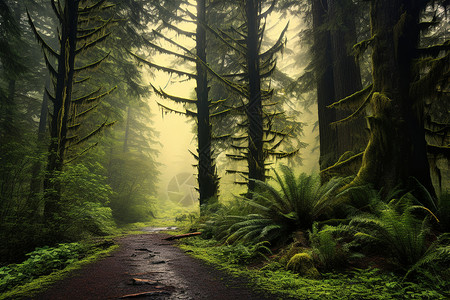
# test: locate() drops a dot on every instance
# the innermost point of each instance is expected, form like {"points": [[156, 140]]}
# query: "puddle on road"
{"points": [[158, 229]]}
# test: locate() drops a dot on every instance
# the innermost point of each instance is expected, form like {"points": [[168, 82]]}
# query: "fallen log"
{"points": [[181, 236]]}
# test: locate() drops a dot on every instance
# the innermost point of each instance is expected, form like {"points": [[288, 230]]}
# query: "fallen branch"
{"points": [[151, 293], [181, 236], [138, 281]]}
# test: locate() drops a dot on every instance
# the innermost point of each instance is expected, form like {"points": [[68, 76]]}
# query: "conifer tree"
{"points": [[79, 31], [261, 134], [207, 176]]}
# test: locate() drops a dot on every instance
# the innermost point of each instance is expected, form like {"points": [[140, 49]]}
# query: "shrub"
{"points": [[42, 261], [401, 235], [328, 247], [273, 214]]}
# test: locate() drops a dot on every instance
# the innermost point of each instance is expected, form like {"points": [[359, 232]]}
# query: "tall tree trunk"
{"points": [[207, 178], [127, 131], [346, 79], [255, 156], [9, 111], [61, 108], [36, 180], [325, 85], [397, 148]]}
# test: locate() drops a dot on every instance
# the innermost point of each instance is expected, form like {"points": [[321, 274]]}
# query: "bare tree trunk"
{"points": [[36, 180], [207, 178], [325, 85], [127, 131], [255, 156]]}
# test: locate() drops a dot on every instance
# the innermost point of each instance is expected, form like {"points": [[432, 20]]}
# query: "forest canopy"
{"points": [[259, 118]]}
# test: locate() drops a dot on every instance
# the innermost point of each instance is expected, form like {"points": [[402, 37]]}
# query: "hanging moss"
{"points": [[347, 165]]}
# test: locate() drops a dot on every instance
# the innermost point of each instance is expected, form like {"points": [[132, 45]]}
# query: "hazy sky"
{"points": [[176, 132]]}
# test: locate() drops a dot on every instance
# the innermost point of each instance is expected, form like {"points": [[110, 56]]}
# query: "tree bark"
{"points": [[207, 178], [346, 75], [127, 130], [255, 156], [61, 109], [397, 149], [36, 180], [325, 85]]}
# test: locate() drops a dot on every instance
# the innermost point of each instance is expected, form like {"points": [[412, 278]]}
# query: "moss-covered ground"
{"points": [[272, 277]]}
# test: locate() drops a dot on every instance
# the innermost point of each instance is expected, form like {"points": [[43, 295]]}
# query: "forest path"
{"points": [[146, 263]]}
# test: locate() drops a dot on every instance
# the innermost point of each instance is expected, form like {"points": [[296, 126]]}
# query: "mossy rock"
{"points": [[289, 251], [302, 263]]}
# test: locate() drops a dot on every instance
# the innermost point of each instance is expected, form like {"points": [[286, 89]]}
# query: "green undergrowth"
{"points": [[271, 277], [47, 265]]}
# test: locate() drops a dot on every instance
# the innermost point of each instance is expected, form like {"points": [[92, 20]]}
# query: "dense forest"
{"points": [[359, 88]]}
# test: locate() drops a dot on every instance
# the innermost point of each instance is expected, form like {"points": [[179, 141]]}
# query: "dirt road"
{"points": [[147, 267]]}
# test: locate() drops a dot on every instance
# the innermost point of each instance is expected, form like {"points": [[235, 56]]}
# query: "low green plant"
{"points": [[328, 246], [402, 236], [302, 263], [30, 287], [275, 213], [274, 280], [216, 223], [245, 254], [42, 261], [241, 254]]}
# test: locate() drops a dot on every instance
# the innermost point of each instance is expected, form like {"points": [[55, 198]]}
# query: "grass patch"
{"points": [[274, 279], [135, 228], [35, 282]]}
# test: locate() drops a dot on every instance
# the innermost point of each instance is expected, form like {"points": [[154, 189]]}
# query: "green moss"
{"points": [[44, 282], [302, 263], [282, 284]]}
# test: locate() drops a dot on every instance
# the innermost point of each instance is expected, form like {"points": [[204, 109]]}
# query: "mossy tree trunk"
{"points": [[397, 149], [61, 106], [346, 75]]}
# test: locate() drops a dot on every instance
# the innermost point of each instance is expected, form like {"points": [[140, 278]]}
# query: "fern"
{"points": [[328, 247], [273, 214], [401, 235], [438, 251]]}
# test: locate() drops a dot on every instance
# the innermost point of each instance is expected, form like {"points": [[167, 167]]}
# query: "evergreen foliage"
{"points": [[87, 195], [262, 129], [208, 181], [392, 215]]}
